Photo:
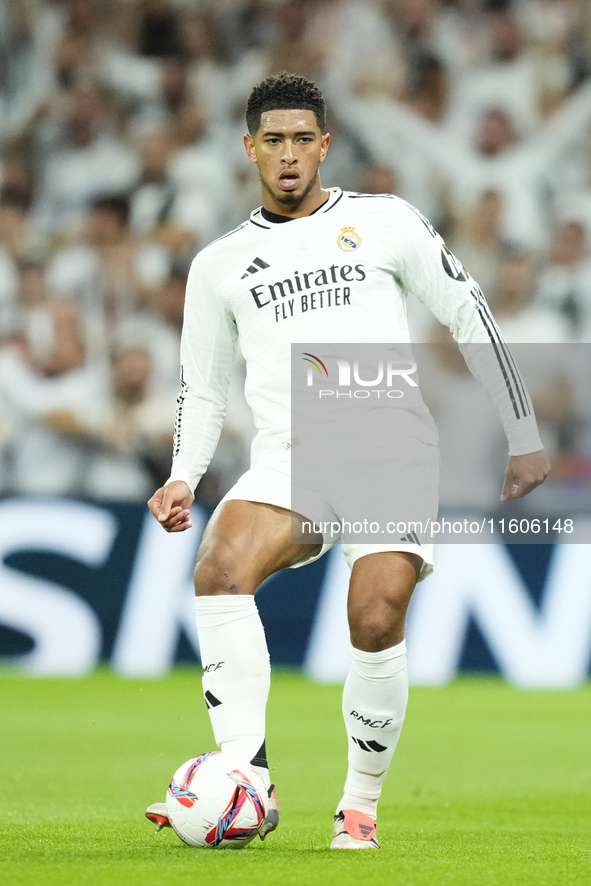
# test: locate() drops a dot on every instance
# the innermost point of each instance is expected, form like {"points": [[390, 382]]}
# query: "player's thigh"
{"points": [[379, 593], [244, 543]]}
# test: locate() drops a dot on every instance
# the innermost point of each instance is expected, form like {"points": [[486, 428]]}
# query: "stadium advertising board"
{"points": [[83, 583]]}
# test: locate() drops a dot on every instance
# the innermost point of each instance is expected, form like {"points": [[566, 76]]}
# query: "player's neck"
{"points": [[311, 202]]}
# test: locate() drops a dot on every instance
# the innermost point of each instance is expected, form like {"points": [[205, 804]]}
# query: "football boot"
{"points": [[354, 830], [157, 814], [271, 819]]}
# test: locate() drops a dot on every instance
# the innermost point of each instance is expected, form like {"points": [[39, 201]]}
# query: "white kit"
{"points": [[342, 274]]}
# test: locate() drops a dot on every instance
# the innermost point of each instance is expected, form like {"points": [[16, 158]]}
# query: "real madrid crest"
{"points": [[348, 240]]}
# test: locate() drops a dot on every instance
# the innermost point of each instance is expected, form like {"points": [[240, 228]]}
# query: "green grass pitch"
{"points": [[489, 786]]}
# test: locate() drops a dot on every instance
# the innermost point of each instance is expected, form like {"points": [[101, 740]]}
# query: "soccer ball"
{"points": [[216, 801]]}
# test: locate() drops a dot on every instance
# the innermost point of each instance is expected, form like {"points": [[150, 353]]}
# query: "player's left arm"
{"points": [[434, 275]]}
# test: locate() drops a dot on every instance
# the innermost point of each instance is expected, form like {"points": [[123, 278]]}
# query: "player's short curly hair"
{"points": [[287, 91]]}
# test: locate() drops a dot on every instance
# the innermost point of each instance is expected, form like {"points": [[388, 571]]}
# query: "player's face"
{"points": [[288, 149]]}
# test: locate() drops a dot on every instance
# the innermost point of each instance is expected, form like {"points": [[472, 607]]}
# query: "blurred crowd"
{"points": [[121, 156]]}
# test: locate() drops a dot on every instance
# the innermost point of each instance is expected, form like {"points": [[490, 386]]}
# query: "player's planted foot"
{"points": [[354, 830], [157, 814], [271, 819]]}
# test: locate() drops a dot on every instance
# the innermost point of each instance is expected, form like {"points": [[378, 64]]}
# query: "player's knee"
{"points": [[374, 638], [218, 571], [377, 628]]}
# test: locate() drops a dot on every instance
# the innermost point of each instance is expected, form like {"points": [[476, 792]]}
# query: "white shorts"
{"points": [[270, 483]]}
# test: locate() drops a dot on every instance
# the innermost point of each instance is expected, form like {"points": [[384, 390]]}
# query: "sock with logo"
{"points": [[236, 675], [374, 704]]}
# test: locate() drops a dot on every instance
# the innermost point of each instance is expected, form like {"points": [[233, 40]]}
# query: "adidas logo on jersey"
{"points": [[257, 265], [412, 538]]}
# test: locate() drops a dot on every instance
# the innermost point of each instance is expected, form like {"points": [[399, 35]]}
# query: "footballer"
{"points": [[313, 265]]}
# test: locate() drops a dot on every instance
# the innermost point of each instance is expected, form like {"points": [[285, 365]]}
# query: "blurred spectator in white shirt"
{"points": [[564, 285], [475, 238], [42, 371], [208, 64], [110, 273], [112, 445], [199, 172], [182, 217], [517, 79], [86, 160], [511, 302], [130, 430], [157, 329]]}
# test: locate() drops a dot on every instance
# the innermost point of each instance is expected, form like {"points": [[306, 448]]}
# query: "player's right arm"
{"points": [[208, 346]]}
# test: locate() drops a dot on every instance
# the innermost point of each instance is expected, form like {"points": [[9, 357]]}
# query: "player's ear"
{"points": [[324, 145], [250, 148]]}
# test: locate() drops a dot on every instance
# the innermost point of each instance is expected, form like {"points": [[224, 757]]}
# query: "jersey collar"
{"points": [[269, 220]]}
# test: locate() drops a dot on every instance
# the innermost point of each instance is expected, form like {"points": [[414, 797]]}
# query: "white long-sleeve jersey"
{"points": [[342, 274]]}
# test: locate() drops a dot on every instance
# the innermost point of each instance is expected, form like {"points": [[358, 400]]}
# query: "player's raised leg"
{"points": [[376, 689], [244, 543]]}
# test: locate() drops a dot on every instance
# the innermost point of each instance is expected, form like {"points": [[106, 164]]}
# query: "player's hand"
{"points": [[524, 473], [170, 505]]}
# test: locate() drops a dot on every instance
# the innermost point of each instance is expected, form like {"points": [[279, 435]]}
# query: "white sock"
{"points": [[236, 675], [374, 704]]}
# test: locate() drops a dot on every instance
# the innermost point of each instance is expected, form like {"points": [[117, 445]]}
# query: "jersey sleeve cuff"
{"points": [[526, 448], [186, 478]]}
